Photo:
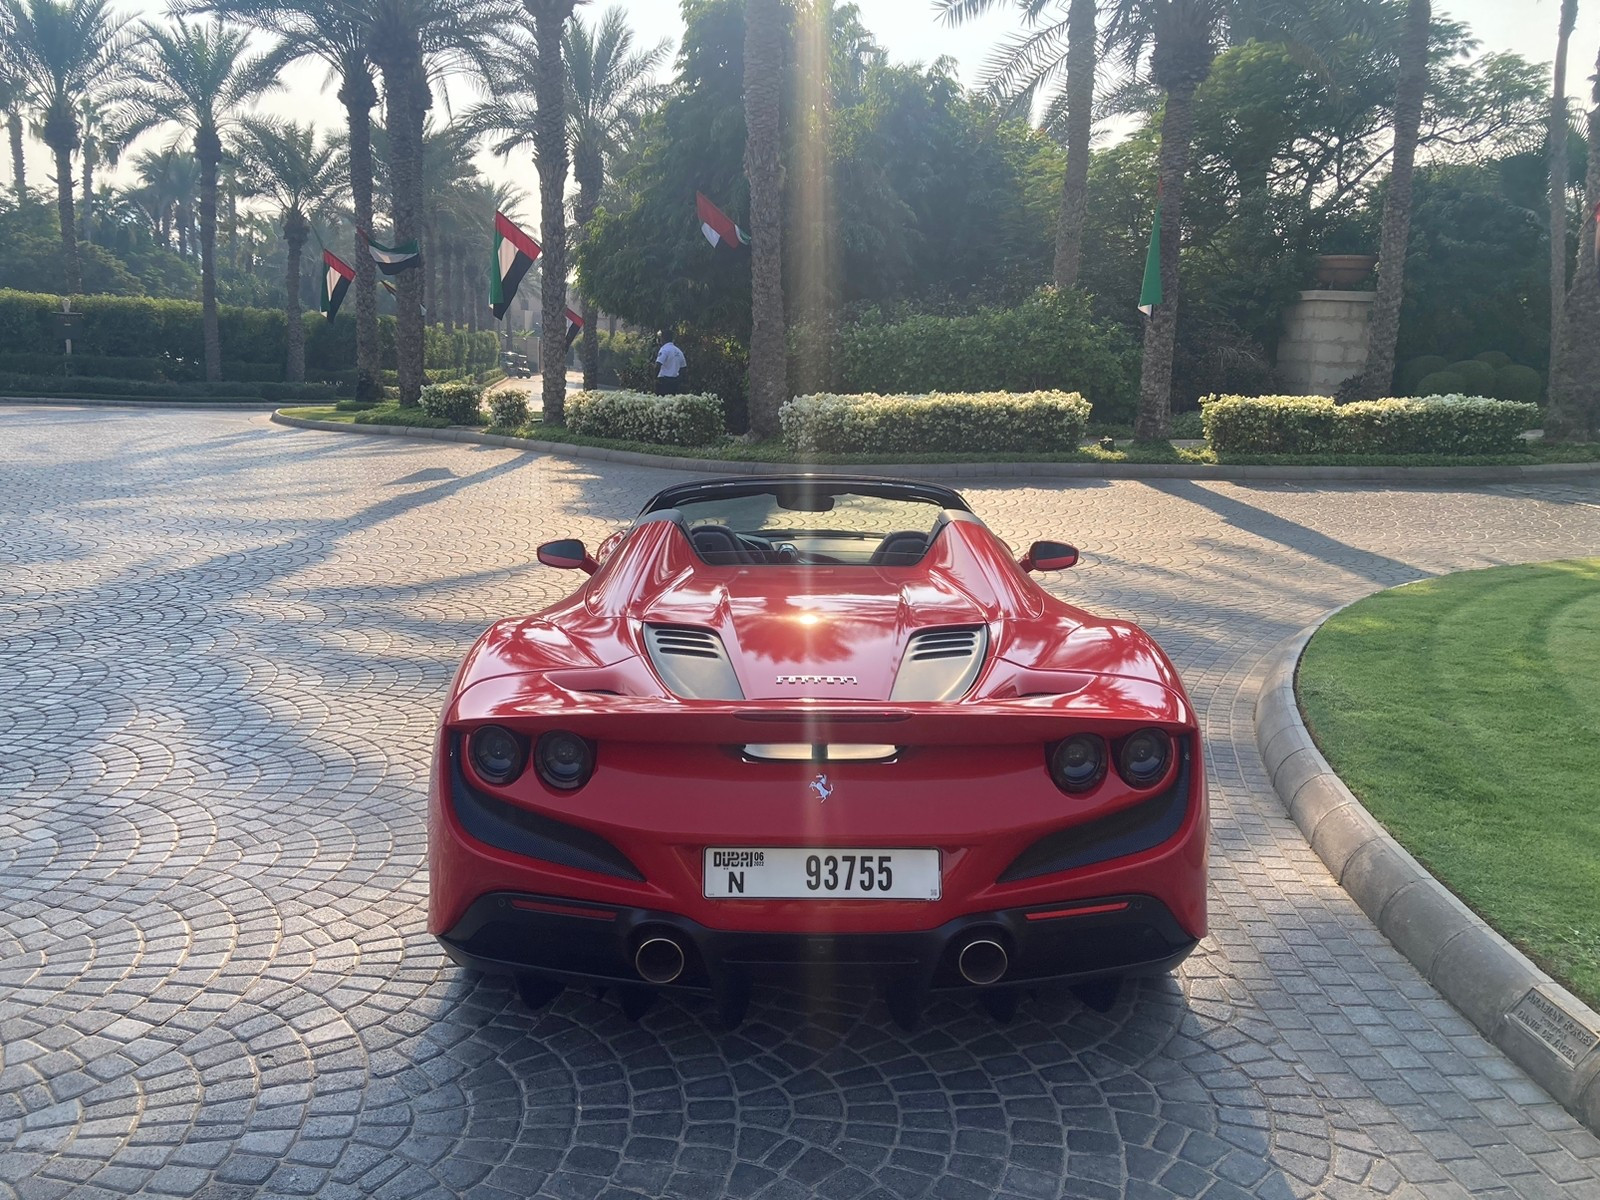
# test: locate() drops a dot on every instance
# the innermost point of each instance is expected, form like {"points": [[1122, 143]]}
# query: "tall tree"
{"points": [[13, 98], [551, 158], [1028, 64], [338, 38], [763, 84], [1410, 92], [64, 51], [197, 77], [1557, 148], [284, 162], [1574, 409]]}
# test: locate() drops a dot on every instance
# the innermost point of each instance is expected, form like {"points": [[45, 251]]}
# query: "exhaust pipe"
{"points": [[659, 960], [983, 962]]}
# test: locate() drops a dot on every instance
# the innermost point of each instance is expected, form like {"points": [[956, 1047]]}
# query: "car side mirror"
{"points": [[1049, 556], [568, 554]]}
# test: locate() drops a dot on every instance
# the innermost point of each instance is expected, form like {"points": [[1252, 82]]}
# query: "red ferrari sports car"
{"points": [[808, 727]]}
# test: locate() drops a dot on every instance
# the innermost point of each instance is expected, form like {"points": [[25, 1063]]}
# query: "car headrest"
{"points": [[718, 545], [902, 549]]}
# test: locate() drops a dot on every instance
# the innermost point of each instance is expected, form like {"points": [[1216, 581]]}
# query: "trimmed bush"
{"points": [[1495, 358], [138, 389], [1521, 384], [1418, 369], [1476, 377], [980, 422], [694, 419], [508, 408], [1051, 342], [457, 403], [1446, 425], [1440, 383], [1188, 425]]}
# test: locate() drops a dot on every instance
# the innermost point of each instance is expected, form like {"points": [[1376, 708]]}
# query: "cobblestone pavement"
{"points": [[222, 645]]}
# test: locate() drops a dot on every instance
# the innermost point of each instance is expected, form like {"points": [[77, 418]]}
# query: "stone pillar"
{"points": [[1324, 341]]}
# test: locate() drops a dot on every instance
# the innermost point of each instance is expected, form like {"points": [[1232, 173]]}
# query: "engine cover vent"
{"points": [[940, 664], [692, 662]]}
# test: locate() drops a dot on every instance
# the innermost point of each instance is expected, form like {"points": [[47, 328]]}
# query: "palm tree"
{"points": [[283, 162], [1410, 92], [1029, 64], [609, 92], [1557, 149], [170, 179], [64, 51], [196, 77], [333, 34], [13, 98], [551, 160], [763, 85], [1574, 408]]}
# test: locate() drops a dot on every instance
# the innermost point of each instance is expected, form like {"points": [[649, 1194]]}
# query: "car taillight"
{"points": [[1142, 761], [563, 760], [498, 755], [1078, 763]]}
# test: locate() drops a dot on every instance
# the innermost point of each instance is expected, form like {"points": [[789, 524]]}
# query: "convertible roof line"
{"points": [[753, 485]]}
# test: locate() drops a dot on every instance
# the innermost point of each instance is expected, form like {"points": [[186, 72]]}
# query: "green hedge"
{"points": [[1458, 425], [1050, 343], [508, 408], [696, 419], [991, 422], [169, 331], [458, 403], [137, 389]]}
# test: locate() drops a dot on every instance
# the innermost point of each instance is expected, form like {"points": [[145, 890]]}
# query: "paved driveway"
{"points": [[222, 647]]}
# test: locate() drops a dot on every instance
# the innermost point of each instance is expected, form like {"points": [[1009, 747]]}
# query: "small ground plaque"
{"points": [[1569, 1038]]}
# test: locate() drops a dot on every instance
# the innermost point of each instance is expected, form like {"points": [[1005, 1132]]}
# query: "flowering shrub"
{"points": [[984, 422], [1452, 425], [457, 403], [692, 420], [508, 408]]}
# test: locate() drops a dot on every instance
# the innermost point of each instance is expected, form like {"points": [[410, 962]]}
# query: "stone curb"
{"points": [[1002, 470], [1542, 1027]]}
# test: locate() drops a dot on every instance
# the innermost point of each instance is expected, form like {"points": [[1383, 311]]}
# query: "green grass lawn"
{"points": [[1148, 452], [1465, 712]]}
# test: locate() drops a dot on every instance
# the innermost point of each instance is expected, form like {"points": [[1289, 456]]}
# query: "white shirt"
{"points": [[671, 360]]}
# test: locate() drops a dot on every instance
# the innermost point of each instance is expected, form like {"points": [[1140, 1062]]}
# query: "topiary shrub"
{"points": [[697, 419], [1523, 385], [1418, 369], [1441, 383], [981, 422], [1476, 377], [508, 408], [1495, 358], [1188, 425], [457, 403], [1443, 425]]}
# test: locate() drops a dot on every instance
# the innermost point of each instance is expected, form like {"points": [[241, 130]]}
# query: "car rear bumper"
{"points": [[583, 942]]}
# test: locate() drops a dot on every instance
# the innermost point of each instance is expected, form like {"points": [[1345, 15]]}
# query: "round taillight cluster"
{"points": [[1078, 763], [562, 760]]}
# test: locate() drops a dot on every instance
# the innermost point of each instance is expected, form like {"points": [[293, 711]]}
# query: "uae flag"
{"points": [[717, 225], [574, 327], [392, 260], [1150, 293], [336, 277], [514, 253]]}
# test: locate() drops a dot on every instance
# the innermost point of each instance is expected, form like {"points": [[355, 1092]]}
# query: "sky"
{"points": [[910, 32]]}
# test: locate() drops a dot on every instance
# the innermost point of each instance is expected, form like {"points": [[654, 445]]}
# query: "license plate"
{"points": [[791, 873]]}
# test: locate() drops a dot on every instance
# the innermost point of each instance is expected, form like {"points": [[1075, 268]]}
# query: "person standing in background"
{"points": [[669, 365]]}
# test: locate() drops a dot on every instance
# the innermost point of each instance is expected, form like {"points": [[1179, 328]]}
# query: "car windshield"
{"points": [[810, 523]]}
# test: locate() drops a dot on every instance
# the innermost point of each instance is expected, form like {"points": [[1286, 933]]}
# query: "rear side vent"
{"points": [[692, 662], [940, 664]]}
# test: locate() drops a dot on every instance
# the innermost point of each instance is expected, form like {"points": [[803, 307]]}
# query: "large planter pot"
{"points": [[1344, 270]]}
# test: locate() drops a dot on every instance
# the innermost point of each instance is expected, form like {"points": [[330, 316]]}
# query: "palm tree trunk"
{"points": [[19, 161], [1080, 127], [87, 215], [1574, 408], [1161, 333], [763, 81], [295, 229], [405, 88], [359, 96], [1378, 378], [71, 273], [1557, 152], [551, 158], [208, 149], [589, 343], [430, 270]]}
